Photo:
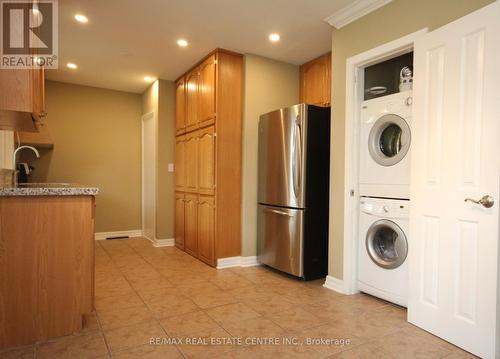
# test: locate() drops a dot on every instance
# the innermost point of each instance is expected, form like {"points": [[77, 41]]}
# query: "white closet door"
{"points": [[456, 155]]}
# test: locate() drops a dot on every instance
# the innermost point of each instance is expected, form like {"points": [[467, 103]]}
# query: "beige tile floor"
{"points": [[144, 292]]}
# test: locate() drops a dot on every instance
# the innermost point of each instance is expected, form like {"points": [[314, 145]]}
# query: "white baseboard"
{"points": [[131, 234], [167, 242], [231, 262], [335, 284]]}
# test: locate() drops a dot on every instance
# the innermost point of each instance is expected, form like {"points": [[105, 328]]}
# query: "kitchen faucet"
{"points": [[14, 158], [20, 148]]}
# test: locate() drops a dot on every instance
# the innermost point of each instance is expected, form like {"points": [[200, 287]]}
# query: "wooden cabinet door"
{"points": [[179, 220], [206, 160], [38, 90], [206, 93], [327, 93], [22, 91], [180, 106], [206, 229], [180, 174], [191, 224], [315, 81], [192, 81], [191, 162]]}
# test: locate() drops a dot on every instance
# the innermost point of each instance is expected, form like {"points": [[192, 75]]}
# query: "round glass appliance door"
{"points": [[386, 244], [389, 140]]}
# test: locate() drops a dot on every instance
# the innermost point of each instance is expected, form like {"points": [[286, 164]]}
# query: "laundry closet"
{"points": [[422, 179], [384, 178]]}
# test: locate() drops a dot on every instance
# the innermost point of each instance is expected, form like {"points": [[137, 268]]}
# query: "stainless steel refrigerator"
{"points": [[293, 190]]}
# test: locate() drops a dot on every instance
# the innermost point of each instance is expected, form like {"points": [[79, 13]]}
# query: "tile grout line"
{"points": [[97, 314], [137, 293], [134, 290]]}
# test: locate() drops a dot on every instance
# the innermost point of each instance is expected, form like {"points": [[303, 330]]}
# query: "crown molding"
{"points": [[354, 11]]}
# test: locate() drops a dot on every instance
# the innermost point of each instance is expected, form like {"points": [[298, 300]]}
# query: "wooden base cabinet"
{"points": [[208, 157], [195, 226], [206, 229], [46, 266], [179, 220], [191, 224]]}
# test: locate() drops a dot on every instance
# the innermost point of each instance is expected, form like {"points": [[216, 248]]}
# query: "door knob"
{"points": [[486, 201]]}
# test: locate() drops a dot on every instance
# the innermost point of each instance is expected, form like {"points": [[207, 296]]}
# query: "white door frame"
{"points": [[354, 96], [143, 118]]}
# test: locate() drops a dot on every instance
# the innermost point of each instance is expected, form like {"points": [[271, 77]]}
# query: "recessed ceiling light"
{"points": [[182, 43], [274, 37], [72, 65], [148, 79], [81, 18]]}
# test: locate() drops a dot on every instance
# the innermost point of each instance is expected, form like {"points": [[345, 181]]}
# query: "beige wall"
{"points": [[165, 214], [388, 23], [160, 99], [269, 85], [97, 142]]}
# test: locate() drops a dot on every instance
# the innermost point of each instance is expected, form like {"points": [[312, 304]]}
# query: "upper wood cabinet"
{"points": [[208, 156], [206, 98], [206, 160], [22, 99], [180, 106], [192, 81], [315, 80]]}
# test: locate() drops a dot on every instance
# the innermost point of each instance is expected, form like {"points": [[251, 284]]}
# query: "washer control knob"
{"points": [[385, 209], [409, 101]]}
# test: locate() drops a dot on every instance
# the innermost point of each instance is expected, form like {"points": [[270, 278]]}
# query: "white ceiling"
{"points": [[126, 40]]}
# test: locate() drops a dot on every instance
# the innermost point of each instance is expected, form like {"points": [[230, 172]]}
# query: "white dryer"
{"points": [[383, 249], [385, 138]]}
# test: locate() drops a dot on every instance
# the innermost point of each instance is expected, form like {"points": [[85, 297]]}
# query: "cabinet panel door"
{"points": [[191, 224], [206, 93], [38, 83], [191, 162], [206, 230], [192, 81], [327, 93], [206, 160], [180, 106], [180, 175], [315, 81], [179, 220]]}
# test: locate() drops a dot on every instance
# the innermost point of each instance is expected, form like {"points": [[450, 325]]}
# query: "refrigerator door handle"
{"points": [[297, 160], [283, 213]]}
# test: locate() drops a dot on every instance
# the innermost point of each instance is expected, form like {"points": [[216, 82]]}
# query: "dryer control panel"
{"points": [[386, 208]]}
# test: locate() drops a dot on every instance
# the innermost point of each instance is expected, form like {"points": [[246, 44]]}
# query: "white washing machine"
{"points": [[385, 138], [383, 249]]}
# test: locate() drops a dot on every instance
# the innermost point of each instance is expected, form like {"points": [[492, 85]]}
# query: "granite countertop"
{"points": [[48, 189]]}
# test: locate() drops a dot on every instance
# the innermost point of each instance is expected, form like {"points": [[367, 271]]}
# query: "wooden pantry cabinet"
{"points": [[208, 157], [315, 81]]}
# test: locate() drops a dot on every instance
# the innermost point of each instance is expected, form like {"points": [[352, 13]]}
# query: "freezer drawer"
{"points": [[280, 238]]}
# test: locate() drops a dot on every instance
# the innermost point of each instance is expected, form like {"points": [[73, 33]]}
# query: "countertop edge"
{"points": [[60, 191]]}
